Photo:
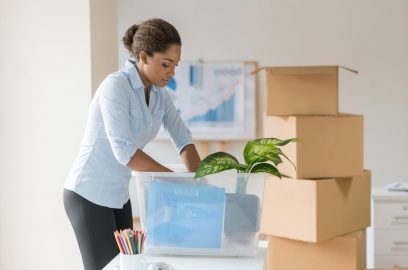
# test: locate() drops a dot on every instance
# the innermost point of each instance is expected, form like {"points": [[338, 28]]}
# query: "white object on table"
{"points": [[390, 228], [257, 262], [399, 186]]}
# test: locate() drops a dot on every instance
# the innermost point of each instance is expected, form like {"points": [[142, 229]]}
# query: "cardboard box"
{"points": [[396, 267], [302, 90], [332, 146], [347, 252], [316, 210]]}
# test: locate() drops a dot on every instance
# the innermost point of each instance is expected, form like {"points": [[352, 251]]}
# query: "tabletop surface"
{"points": [[204, 263]]}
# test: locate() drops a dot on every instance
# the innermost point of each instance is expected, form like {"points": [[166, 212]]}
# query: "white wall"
{"points": [[45, 89], [368, 35]]}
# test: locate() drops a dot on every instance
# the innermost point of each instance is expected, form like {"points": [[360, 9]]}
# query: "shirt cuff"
{"points": [[124, 154], [183, 143]]}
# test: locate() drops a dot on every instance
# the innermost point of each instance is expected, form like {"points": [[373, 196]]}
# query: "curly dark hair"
{"points": [[152, 35]]}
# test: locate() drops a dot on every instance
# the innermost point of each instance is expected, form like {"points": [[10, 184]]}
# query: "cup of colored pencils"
{"points": [[130, 242]]}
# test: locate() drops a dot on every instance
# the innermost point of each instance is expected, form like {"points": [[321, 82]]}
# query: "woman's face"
{"points": [[159, 68]]}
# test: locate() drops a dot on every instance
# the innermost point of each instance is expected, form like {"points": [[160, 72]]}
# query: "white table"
{"points": [[204, 263]]}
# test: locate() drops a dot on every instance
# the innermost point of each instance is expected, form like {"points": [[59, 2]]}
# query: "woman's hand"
{"points": [[142, 162], [190, 157]]}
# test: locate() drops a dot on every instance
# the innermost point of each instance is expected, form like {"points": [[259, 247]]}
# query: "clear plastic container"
{"points": [[217, 215]]}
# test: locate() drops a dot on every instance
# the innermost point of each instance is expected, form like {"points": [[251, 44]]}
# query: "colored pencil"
{"points": [[118, 242], [143, 240], [136, 241], [139, 241], [123, 243], [132, 241], [126, 236]]}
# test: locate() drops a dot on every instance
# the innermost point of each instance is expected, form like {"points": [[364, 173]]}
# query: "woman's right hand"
{"points": [[142, 162]]}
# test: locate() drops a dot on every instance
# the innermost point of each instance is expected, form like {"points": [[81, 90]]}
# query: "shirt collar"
{"points": [[134, 76]]}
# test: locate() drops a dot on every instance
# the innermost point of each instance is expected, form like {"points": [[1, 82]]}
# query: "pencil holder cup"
{"points": [[132, 262]]}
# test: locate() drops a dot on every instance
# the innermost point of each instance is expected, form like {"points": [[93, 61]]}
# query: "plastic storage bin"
{"points": [[217, 215]]}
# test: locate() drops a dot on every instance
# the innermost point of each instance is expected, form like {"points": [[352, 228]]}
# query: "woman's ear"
{"points": [[143, 57]]}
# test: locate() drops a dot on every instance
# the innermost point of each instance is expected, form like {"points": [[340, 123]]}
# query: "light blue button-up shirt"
{"points": [[119, 123]]}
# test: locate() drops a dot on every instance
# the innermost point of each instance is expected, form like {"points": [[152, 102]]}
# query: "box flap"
{"points": [[354, 235], [303, 70], [396, 267], [349, 69]]}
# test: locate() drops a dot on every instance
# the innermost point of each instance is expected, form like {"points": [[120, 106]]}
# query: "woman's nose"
{"points": [[172, 72]]}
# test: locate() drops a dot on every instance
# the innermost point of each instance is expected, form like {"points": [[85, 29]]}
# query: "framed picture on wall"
{"points": [[216, 100]]}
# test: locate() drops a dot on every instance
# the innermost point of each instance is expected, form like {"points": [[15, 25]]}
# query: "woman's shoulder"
{"points": [[114, 83], [118, 79]]}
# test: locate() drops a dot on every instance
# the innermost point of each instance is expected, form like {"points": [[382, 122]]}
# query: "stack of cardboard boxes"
{"points": [[315, 217]]}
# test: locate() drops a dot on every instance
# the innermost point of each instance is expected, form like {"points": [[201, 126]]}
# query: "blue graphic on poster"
{"points": [[210, 98]]}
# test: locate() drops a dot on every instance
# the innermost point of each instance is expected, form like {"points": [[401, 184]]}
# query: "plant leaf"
{"points": [[254, 151], [261, 152], [278, 151], [276, 141], [293, 164], [267, 168], [218, 162], [275, 159]]}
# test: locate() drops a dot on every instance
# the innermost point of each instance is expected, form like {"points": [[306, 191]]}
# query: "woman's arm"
{"points": [[142, 162], [180, 134], [190, 157]]}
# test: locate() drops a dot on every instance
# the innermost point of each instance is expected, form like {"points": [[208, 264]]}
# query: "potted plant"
{"points": [[260, 155]]}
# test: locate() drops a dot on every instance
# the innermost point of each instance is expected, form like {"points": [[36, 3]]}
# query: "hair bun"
{"points": [[150, 36], [128, 37]]}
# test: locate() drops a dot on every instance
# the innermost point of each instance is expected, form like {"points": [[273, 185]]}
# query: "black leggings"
{"points": [[94, 226]]}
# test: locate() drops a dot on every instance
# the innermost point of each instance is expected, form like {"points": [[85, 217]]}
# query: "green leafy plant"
{"points": [[260, 155]]}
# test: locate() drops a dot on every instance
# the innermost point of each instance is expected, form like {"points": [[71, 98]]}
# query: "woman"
{"points": [[125, 114]]}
